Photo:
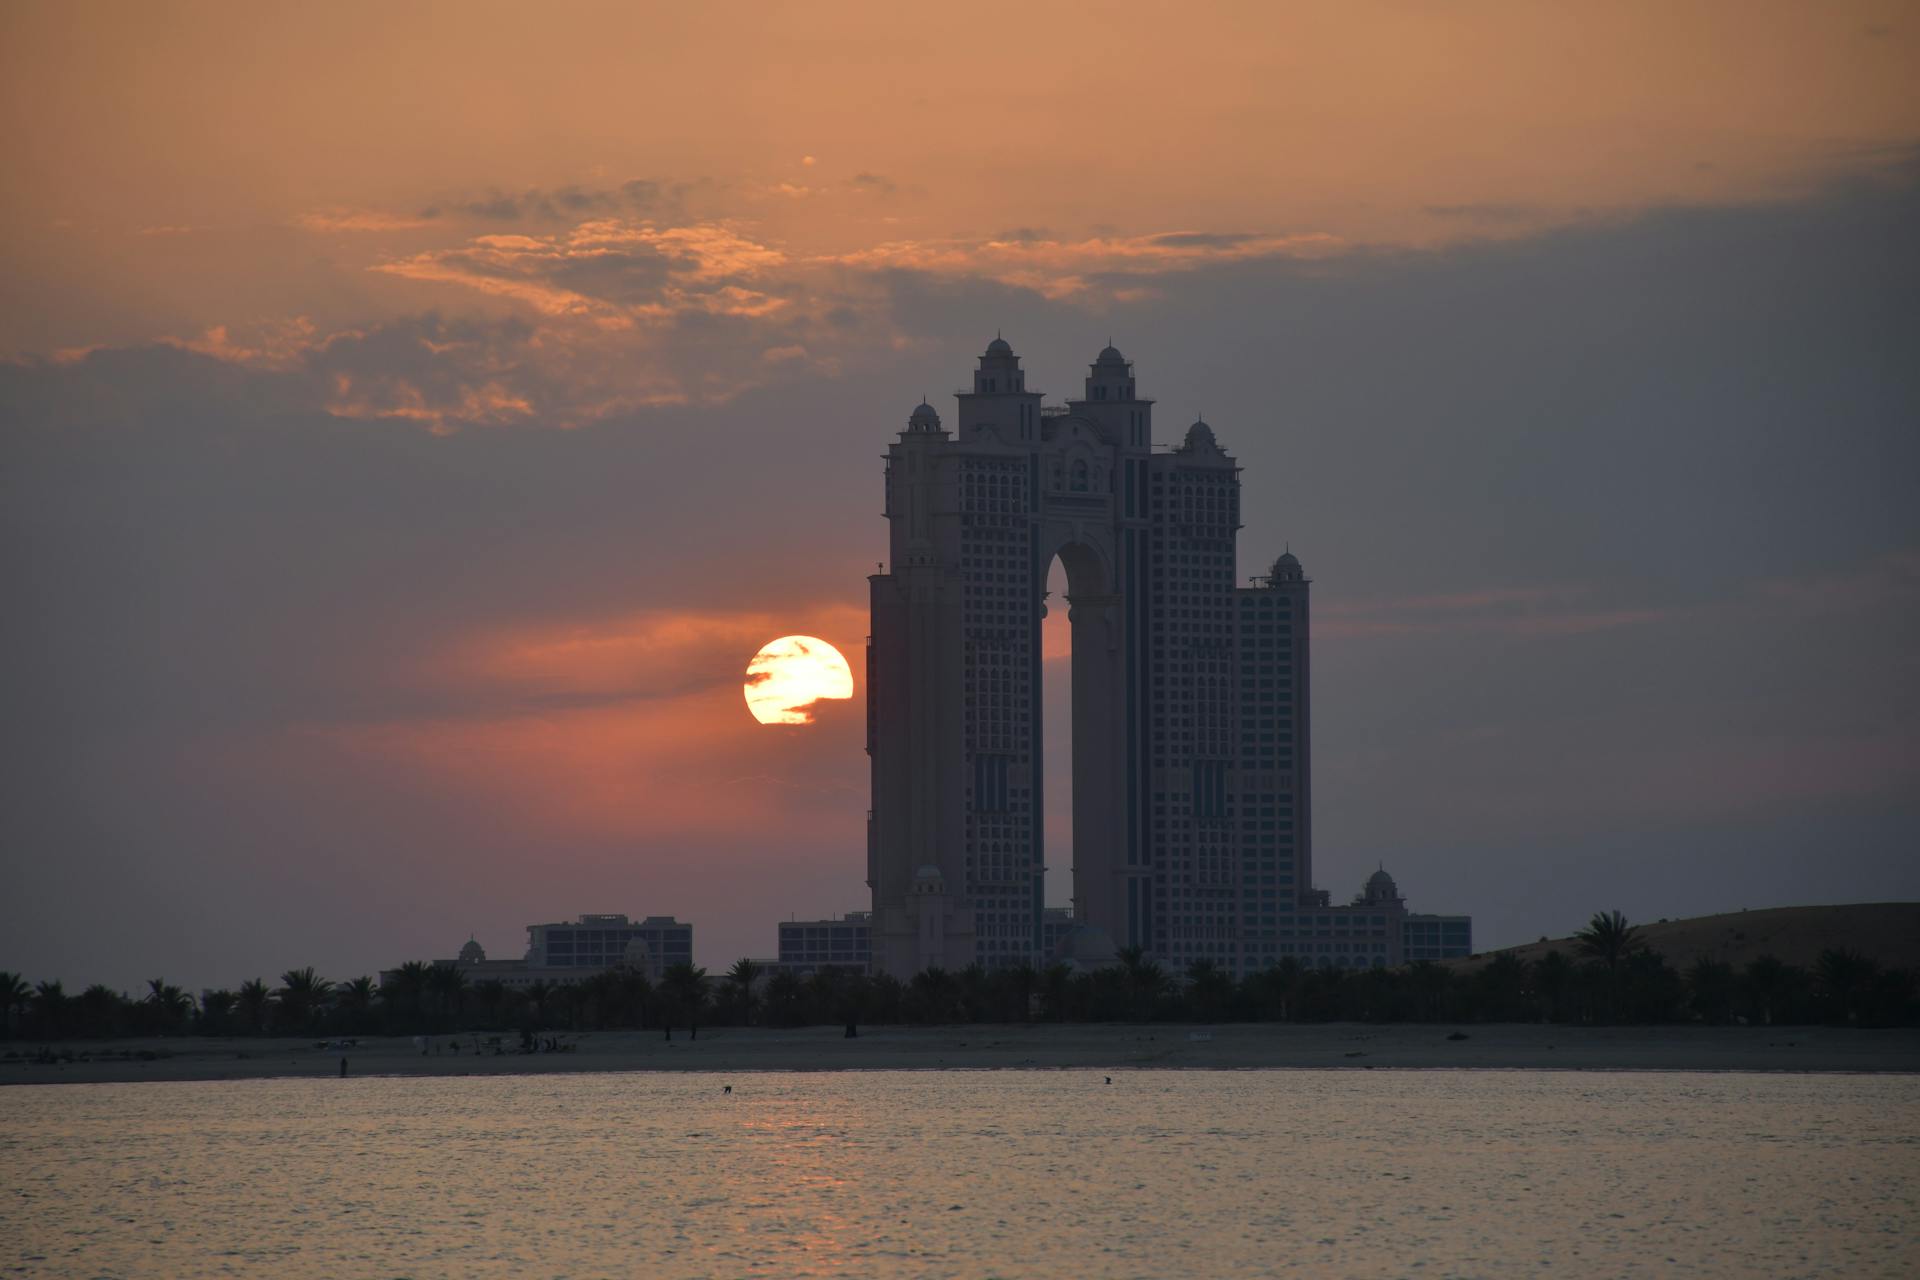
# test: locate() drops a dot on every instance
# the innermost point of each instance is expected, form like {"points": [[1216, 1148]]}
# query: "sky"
{"points": [[413, 421]]}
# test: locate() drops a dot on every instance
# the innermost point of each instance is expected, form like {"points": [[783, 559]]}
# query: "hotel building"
{"points": [[1192, 805]]}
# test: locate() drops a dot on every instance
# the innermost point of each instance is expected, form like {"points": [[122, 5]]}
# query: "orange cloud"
{"points": [[334, 220]]}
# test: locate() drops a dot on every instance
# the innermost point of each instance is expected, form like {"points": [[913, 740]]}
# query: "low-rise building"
{"points": [[596, 942], [810, 945], [1437, 937], [571, 951]]}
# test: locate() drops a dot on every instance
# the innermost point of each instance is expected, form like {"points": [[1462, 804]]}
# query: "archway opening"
{"points": [[1056, 745]]}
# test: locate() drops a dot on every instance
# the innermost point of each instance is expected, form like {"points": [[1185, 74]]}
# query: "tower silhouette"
{"points": [[1191, 816]]}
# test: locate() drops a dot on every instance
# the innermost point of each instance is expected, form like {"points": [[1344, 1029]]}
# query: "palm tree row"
{"points": [[1612, 978]]}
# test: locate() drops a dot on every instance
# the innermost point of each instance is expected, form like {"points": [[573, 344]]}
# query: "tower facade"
{"points": [[1190, 814]]}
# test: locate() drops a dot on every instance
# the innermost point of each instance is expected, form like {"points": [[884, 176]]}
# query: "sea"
{"points": [[1062, 1173]]}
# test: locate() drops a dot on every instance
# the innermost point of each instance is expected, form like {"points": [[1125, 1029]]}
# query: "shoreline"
{"points": [[1013, 1046]]}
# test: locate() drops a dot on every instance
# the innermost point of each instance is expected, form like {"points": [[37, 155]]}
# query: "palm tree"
{"points": [[1608, 938], [50, 1007], [1431, 981], [215, 1008], [1766, 978], [449, 987], [974, 985], [1021, 980], [784, 994], [1842, 976], [741, 978], [635, 993], [256, 1002], [1552, 975], [168, 1005], [1710, 984], [303, 993], [932, 989], [355, 998], [491, 993], [99, 1007], [1208, 988], [1055, 982], [1145, 980], [1279, 985], [538, 992], [14, 994], [1501, 983], [824, 993], [686, 988]]}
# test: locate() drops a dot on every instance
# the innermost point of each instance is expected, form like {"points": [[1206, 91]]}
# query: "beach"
{"points": [[1111, 1047]]}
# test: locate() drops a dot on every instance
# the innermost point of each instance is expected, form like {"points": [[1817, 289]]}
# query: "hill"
{"points": [[1886, 932]]}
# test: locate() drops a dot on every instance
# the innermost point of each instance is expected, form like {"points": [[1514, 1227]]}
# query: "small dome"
{"points": [[923, 418], [1200, 435], [1110, 355], [472, 953], [999, 347], [1381, 888], [928, 879], [1287, 567], [635, 955]]}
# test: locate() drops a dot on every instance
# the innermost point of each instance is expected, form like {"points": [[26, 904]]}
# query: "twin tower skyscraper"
{"points": [[1191, 810]]}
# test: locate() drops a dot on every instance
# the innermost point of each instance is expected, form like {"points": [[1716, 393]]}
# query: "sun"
{"points": [[792, 673]]}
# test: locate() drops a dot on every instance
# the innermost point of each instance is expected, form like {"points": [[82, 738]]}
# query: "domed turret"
{"points": [[1287, 568], [1109, 355], [999, 347], [1200, 436], [1381, 891], [923, 418], [472, 953]]}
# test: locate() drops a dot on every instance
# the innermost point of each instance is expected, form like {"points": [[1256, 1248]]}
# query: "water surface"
{"points": [[968, 1173]]}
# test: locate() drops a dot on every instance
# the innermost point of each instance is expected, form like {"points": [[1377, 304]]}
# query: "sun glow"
{"points": [[792, 673]]}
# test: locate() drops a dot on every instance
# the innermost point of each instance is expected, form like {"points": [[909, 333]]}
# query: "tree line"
{"points": [[1610, 977]]}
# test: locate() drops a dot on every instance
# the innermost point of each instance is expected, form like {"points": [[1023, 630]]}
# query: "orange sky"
{"points": [[178, 168], [522, 264]]}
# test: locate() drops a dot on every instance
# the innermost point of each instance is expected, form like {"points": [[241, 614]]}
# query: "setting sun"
{"points": [[792, 673]]}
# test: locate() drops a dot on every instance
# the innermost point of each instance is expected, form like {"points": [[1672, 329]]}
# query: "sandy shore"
{"points": [[1110, 1047]]}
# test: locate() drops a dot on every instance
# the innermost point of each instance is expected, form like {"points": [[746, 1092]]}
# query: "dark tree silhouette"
{"points": [[216, 1011], [685, 987], [256, 1006], [1842, 977], [168, 1006], [1208, 990], [1710, 989], [302, 996], [1608, 938], [14, 994], [1766, 978], [740, 980]]}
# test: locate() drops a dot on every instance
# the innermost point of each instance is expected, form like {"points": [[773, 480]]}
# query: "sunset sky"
{"points": [[413, 420]]}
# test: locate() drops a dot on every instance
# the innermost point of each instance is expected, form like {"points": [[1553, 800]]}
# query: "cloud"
{"points": [[569, 202], [612, 271], [1057, 269], [327, 221], [1510, 214]]}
